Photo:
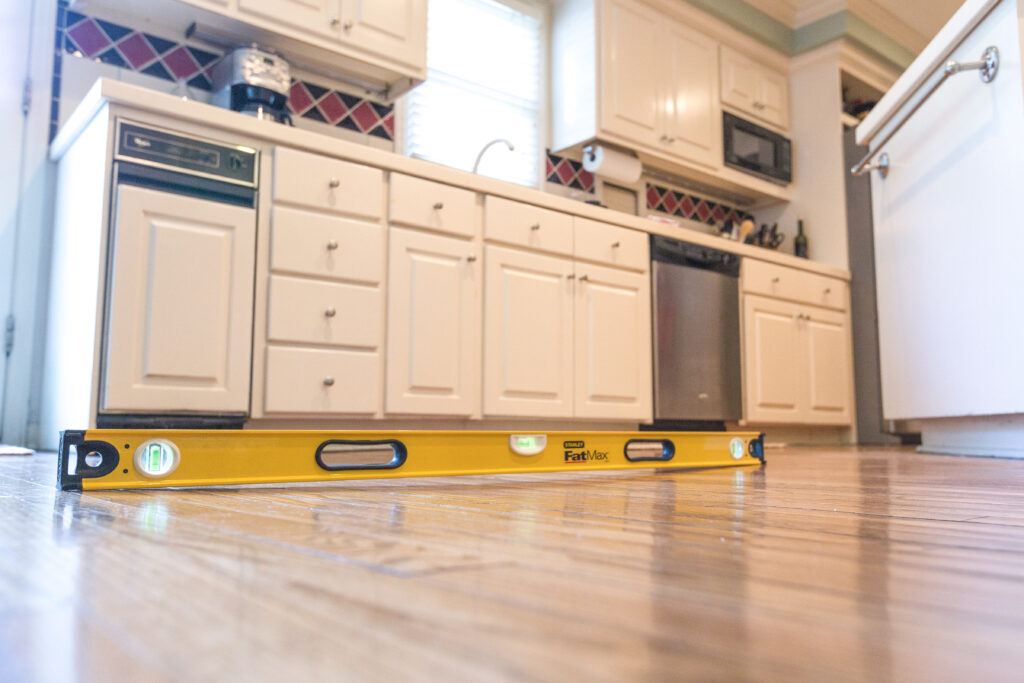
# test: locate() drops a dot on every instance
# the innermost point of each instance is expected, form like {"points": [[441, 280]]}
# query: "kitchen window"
{"points": [[484, 81]]}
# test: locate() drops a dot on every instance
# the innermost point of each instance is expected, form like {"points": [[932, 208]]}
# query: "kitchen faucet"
{"points": [[479, 156]]}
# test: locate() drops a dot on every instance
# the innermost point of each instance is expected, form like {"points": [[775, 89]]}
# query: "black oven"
{"points": [[754, 149]]}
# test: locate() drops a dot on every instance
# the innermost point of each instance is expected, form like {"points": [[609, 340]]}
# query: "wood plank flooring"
{"points": [[839, 564]]}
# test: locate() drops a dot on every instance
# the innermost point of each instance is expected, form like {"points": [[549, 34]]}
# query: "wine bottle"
{"points": [[800, 243]]}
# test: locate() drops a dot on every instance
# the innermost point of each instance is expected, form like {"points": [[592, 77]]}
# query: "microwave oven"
{"points": [[756, 150]]}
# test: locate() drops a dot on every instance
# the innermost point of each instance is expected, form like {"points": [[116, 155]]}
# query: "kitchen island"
{"points": [[946, 186]]}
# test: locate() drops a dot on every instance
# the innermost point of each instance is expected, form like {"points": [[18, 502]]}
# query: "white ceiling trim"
{"points": [[780, 10], [885, 21], [810, 11]]}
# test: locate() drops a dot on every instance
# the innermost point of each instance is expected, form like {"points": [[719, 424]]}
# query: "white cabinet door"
{"points": [[317, 16], [775, 374], [739, 80], [613, 343], [528, 334], [772, 102], [693, 123], [393, 28], [433, 325], [631, 71], [179, 319], [828, 356]]}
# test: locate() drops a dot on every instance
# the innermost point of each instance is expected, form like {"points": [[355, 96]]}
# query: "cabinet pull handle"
{"points": [[535, 226], [775, 280], [584, 278], [616, 245], [333, 182], [348, 26], [332, 245], [470, 258], [330, 313], [328, 381], [828, 290], [438, 206], [570, 276], [335, 21]]}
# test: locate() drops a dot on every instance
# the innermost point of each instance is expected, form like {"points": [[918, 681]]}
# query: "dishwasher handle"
{"points": [[668, 250]]}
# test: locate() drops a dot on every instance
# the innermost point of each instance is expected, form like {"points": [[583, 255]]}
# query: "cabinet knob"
{"points": [[470, 258], [335, 21], [330, 313], [328, 381], [759, 105], [584, 278], [535, 226], [616, 245], [332, 245], [570, 276], [333, 182], [775, 280], [828, 290], [702, 396], [438, 206], [347, 26]]}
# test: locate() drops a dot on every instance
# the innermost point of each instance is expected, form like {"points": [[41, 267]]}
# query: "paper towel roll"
{"points": [[612, 165]]}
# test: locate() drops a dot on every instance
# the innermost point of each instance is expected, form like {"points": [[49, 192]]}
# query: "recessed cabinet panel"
{"points": [[318, 182], [755, 90], [632, 71], [433, 324], [322, 245], [774, 358], [693, 124], [328, 313], [528, 334], [180, 307], [392, 28], [613, 343], [433, 206], [829, 357], [774, 98], [322, 381], [318, 16]]}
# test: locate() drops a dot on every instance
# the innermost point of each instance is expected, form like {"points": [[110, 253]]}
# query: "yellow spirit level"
{"points": [[138, 458]]}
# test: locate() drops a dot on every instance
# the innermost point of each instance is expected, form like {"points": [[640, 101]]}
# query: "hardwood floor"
{"points": [[826, 564]]}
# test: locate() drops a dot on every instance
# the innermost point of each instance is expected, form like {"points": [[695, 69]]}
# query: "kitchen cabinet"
{"points": [[754, 89], [565, 336], [433, 324], [393, 28], [178, 342], [797, 351], [317, 16]]}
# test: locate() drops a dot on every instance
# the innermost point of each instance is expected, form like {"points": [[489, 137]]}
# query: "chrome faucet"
{"points": [[479, 156]]}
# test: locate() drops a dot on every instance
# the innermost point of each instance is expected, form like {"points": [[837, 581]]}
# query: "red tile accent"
{"points": [[670, 202], [564, 171], [719, 213], [586, 179], [389, 124], [136, 50], [653, 197], [703, 211], [180, 63], [365, 116], [549, 168], [88, 36], [299, 99], [686, 206], [333, 108]]}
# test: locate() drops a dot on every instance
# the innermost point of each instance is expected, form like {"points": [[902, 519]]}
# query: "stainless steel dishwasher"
{"points": [[697, 374]]}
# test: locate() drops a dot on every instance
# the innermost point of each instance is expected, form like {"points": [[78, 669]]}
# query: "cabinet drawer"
{"points": [[435, 206], [321, 381], [328, 313], [315, 244], [319, 182], [610, 244], [760, 277], [526, 225]]}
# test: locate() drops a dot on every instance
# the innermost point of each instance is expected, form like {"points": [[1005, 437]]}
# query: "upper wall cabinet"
{"points": [[659, 88], [754, 89], [641, 76], [379, 45]]}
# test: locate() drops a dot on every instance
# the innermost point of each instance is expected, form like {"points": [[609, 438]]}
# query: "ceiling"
{"points": [[910, 22]]}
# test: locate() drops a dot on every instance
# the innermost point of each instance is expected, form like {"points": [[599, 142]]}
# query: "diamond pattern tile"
{"points": [[340, 109], [569, 172], [691, 207]]}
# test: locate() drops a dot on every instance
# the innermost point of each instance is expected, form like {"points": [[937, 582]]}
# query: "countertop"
{"points": [[925, 67], [110, 92]]}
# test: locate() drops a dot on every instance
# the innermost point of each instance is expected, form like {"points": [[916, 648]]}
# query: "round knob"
{"points": [[335, 21], [471, 258], [330, 313], [347, 26], [328, 381], [438, 206], [535, 226], [333, 182], [584, 278], [828, 290], [332, 245], [570, 276], [702, 396], [616, 245], [775, 280]]}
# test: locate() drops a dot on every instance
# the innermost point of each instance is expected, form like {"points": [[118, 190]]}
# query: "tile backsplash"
{"points": [[691, 207], [569, 172], [187, 66]]}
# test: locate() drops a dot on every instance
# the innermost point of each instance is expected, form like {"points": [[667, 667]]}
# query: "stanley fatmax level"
{"points": [[131, 459]]}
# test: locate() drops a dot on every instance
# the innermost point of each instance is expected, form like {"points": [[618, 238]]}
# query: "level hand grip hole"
{"points": [[640, 450], [339, 454]]}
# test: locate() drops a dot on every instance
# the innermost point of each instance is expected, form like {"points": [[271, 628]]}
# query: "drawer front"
{"points": [[316, 244], [434, 206], [319, 182], [526, 225], [329, 313], [610, 244], [768, 279], [321, 381]]}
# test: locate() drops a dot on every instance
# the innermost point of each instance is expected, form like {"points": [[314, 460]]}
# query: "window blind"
{"points": [[483, 82]]}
